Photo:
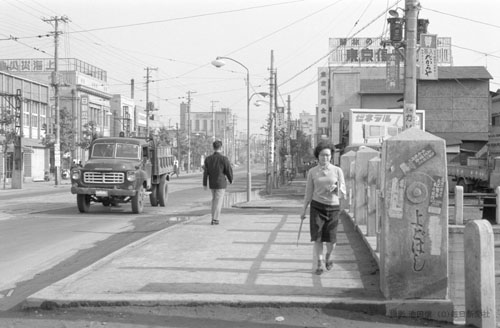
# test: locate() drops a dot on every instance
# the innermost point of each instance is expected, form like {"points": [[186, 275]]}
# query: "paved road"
{"points": [[45, 238]]}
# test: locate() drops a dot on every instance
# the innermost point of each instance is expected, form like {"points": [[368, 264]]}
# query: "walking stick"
{"points": [[300, 230]]}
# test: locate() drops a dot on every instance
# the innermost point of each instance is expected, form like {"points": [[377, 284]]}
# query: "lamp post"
{"points": [[218, 62]]}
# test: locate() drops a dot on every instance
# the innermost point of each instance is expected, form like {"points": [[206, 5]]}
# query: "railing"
{"points": [[486, 197]]}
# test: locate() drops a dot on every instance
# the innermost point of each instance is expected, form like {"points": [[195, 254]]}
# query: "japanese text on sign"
{"points": [[436, 197], [418, 159], [373, 117], [373, 51], [428, 57]]}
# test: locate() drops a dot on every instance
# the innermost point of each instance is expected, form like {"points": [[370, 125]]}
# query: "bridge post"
{"points": [[459, 205], [479, 259], [414, 235]]}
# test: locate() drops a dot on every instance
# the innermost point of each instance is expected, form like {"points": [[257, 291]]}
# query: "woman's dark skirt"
{"points": [[323, 222]]}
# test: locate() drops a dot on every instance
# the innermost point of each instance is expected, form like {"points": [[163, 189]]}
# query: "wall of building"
{"points": [[122, 119], [456, 106], [381, 101], [345, 95], [35, 113]]}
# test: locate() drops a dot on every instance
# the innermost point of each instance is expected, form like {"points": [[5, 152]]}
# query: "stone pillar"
{"points": [[352, 189], [459, 205], [345, 165], [373, 176], [363, 155], [414, 236], [479, 258]]}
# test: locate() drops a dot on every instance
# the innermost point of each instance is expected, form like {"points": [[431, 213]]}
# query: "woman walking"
{"points": [[325, 187]]}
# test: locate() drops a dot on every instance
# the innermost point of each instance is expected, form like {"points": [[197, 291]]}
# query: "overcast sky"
{"points": [[181, 38]]}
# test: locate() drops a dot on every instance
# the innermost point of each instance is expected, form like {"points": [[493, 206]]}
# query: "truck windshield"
{"points": [[112, 150], [104, 150], [127, 151]]}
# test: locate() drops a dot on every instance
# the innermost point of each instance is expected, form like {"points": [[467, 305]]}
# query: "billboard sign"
{"points": [[373, 126], [375, 51], [428, 57]]}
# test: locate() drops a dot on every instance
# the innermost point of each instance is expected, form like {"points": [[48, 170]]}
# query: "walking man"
{"points": [[218, 171]]}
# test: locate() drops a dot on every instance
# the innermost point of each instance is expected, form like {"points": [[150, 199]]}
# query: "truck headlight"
{"points": [[75, 175], [131, 176]]}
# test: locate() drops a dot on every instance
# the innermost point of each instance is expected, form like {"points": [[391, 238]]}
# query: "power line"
{"points": [[331, 51], [284, 27], [464, 18], [178, 18]]}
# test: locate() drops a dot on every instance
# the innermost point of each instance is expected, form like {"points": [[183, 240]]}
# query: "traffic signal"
{"points": [[396, 28], [421, 27]]}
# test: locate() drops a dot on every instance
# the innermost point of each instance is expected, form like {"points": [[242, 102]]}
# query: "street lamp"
{"points": [[218, 62]]}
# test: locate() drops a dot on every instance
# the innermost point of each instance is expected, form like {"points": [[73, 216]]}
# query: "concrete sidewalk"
{"points": [[251, 257]]}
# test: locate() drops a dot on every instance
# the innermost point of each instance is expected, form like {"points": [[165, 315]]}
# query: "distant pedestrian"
{"points": [[325, 187], [217, 170], [176, 168]]}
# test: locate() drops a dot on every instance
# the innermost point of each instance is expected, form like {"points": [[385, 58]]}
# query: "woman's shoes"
{"points": [[329, 263], [215, 222], [319, 269]]}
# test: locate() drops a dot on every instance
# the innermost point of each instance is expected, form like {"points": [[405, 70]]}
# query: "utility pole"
{"points": [[213, 119], [178, 144], [270, 160], [189, 129], [289, 129], [17, 169], [55, 84], [148, 107], [277, 144], [410, 92], [235, 117]]}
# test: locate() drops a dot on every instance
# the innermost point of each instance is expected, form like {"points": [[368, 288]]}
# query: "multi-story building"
{"points": [[124, 118], [216, 124], [84, 97], [83, 93], [307, 124], [33, 99], [363, 75]]}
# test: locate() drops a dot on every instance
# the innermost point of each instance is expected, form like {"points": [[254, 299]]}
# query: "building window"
{"points": [[323, 92], [495, 119], [323, 101], [323, 83], [323, 74], [34, 121]]}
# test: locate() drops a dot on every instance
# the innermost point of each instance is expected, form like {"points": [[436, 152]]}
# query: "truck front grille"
{"points": [[103, 177]]}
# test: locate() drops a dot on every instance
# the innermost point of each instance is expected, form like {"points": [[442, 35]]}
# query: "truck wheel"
{"points": [[138, 201], [163, 191], [83, 202], [153, 196]]}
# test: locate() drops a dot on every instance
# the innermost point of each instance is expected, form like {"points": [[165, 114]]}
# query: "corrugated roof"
{"points": [[453, 137], [378, 86], [463, 72]]}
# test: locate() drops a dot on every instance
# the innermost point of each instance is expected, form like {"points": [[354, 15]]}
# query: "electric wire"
{"points": [[331, 51], [461, 17]]}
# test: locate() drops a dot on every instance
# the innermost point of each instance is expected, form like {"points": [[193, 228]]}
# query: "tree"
{"points": [[88, 135], [8, 134], [67, 133], [301, 148], [166, 136], [201, 146]]}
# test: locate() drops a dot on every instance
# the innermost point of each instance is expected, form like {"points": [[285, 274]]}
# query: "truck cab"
{"points": [[122, 170]]}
